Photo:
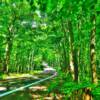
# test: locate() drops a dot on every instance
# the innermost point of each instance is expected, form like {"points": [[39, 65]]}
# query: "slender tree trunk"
{"points": [[71, 49], [92, 49], [80, 58], [73, 53], [32, 59], [64, 45], [7, 57], [1, 64], [29, 62], [9, 40], [76, 64], [64, 57]]}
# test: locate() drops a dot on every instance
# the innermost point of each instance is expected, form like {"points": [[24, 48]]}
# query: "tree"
{"points": [[92, 45], [73, 58]]}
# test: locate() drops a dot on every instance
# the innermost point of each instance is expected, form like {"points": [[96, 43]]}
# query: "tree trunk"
{"points": [[87, 94], [65, 64], [73, 53], [9, 40], [7, 55], [92, 49]]}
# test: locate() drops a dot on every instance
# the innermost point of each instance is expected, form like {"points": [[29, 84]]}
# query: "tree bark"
{"points": [[73, 53], [92, 49], [65, 50], [7, 54], [87, 94]]}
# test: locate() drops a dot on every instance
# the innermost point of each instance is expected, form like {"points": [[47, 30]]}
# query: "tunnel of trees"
{"points": [[63, 33]]}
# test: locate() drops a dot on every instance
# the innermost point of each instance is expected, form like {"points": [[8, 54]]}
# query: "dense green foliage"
{"points": [[33, 31]]}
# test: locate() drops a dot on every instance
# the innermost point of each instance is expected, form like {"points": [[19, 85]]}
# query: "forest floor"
{"points": [[37, 92]]}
